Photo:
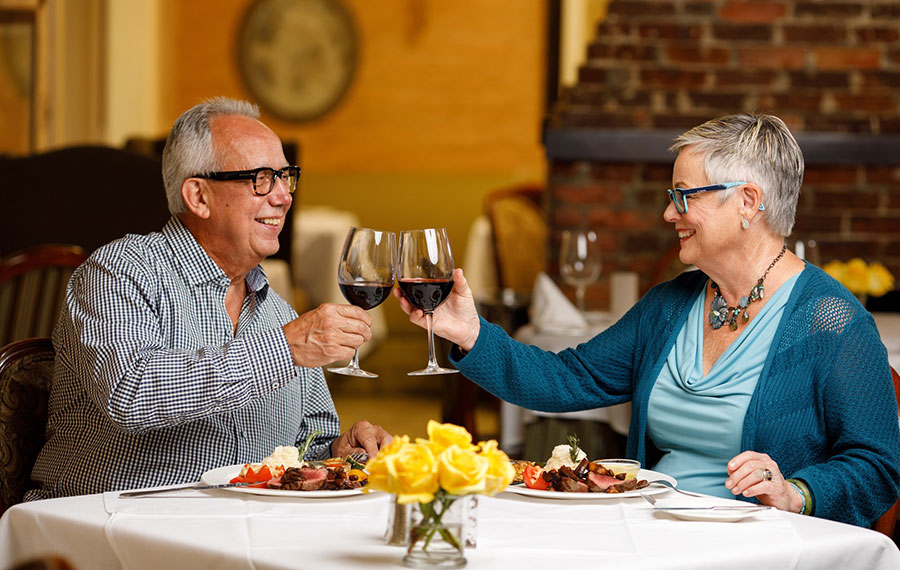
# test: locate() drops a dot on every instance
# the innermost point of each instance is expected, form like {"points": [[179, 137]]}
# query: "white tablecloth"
{"points": [[889, 328], [223, 529]]}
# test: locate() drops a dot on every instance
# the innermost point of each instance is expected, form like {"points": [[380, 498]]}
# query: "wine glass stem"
{"points": [[579, 297], [354, 362], [432, 361]]}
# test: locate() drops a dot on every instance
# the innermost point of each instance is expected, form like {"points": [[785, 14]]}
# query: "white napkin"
{"points": [[551, 310]]}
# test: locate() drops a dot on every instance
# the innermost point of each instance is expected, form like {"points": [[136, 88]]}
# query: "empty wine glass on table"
{"points": [[425, 276], [365, 277], [579, 261]]}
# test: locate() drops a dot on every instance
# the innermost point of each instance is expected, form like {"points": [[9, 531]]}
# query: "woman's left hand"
{"points": [[755, 474]]}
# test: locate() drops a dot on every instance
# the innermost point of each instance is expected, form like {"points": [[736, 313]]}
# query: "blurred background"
{"points": [[421, 113]]}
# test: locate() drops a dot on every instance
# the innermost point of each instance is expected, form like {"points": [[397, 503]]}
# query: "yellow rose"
{"points": [[856, 276], [835, 269], [462, 471], [441, 436], [500, 471], [880, 279], [379, 476]]}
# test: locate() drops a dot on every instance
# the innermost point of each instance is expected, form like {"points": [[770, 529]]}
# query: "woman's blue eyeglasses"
{"points": [[677, 194]]}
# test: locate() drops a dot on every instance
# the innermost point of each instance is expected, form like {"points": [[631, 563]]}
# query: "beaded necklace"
{"points": [[719, 311]]}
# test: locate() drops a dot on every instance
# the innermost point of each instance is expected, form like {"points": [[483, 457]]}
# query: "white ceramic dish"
{"points": [[225, 474], [642, 474]]}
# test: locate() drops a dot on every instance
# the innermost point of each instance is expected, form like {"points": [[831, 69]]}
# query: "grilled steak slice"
{"points": [[303, 479], [572, 485], [600, 483]]}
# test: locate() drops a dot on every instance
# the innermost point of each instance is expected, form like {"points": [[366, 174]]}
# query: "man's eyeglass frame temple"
{"points": [[229, 175], [674, 192]]}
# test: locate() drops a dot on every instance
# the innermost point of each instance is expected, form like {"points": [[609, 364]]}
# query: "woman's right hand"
{"points": [[456, 319]]}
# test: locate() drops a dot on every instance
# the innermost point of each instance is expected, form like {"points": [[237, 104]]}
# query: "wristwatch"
{"points": [[297, 57]]}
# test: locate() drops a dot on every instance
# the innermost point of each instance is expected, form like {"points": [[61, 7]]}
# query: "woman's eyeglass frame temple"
{"points": [[253, 175], [676, 195]]}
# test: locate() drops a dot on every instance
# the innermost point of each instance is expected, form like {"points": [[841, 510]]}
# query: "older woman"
{"points": [[758, 376]]}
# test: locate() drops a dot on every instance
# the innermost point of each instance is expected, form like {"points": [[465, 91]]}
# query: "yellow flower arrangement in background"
{"points": [[860, 278]]}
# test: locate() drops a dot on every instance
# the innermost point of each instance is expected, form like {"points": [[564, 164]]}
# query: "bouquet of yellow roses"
{"points": [[860, 278], [434, 472]]}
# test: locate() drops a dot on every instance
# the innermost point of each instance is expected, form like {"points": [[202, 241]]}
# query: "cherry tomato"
{"points": [[532, 478]]}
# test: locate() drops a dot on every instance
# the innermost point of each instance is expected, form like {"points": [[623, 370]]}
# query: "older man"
{"points": [[173, 354]]}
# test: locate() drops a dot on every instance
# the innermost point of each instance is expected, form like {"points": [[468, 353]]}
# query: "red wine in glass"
{"points": [[364, 294], [365, 277], [426, 294], [425, 275]]}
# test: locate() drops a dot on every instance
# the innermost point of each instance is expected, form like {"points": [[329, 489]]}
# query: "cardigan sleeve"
{"points": [[860, 478]]}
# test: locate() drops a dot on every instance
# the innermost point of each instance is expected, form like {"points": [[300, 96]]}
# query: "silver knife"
{"points": [[130, 494]]}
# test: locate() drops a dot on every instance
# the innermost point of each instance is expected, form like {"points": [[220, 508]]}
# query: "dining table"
{"points": [[225, 529]]}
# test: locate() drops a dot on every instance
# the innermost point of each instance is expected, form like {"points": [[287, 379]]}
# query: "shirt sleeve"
{"points": [[144, 378]]}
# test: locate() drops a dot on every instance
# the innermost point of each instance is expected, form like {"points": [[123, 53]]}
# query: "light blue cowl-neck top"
{"points": [[696, 420]]}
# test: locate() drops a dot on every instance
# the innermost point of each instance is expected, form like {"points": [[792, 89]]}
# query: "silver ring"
{"points": [[767, 474]]}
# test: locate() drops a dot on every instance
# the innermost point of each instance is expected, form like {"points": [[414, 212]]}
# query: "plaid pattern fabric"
{"points": [[151, 384]]}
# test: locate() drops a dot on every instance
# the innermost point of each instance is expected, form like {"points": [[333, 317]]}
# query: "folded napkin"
{"points": [[551, 310]]}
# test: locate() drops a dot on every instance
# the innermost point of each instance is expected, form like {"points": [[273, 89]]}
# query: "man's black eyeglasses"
{"points": [[263, 178]]}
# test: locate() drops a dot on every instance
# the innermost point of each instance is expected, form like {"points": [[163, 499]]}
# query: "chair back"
{"points": [[26, 370], [888, 521], [33, 287], [519, 234]]}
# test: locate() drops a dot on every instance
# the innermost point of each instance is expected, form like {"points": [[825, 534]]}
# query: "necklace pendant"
{"points": [[718, 311], [732, 322], [746, 316]]}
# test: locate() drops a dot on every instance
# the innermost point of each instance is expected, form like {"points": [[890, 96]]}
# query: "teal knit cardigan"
{"points": [[824, 407]]}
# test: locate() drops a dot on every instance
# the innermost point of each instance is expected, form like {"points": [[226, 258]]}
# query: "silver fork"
{"points": [[360, 457], [665, 483]]}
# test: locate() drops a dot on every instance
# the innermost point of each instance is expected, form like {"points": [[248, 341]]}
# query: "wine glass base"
{"points": [[348, 371], [432, 370]]}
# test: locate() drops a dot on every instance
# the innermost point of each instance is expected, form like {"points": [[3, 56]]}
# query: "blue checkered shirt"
{"points": [[151, 384]]}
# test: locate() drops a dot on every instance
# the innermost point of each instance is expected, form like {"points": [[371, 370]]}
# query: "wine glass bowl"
{"points": [[425, 276], [579, 261], [365, 278]]}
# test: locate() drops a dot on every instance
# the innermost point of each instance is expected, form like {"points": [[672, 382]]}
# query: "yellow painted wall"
{"points": [[446, 106]]}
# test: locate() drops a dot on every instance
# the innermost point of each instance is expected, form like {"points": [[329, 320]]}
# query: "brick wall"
{"points": [[823, 67]]}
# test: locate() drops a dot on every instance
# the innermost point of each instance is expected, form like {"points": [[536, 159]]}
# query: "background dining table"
{"points": [[227, 529]]}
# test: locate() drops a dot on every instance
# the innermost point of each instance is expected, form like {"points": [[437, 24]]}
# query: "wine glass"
{"points": [[365, 277], [425, 276], [579, 261]]}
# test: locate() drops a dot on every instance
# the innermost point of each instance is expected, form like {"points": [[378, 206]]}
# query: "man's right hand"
{"points": [[327, 333]]}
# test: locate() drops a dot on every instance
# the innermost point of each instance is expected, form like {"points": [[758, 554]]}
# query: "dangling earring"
{"points": [[745, 224]]}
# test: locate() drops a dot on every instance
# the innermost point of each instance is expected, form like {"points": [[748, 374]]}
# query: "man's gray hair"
{"points": [[189, 148], [752, 148]]}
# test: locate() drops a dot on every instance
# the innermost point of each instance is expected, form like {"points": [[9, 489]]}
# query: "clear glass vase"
{"points": [[437, 537]]}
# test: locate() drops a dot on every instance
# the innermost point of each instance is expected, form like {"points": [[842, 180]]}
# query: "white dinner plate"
{"points": [[642, 474], [225, 474], [712, 515]]}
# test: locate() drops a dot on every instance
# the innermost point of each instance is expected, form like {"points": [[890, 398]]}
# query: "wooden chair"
{"points": [[32, 289], [886, 523], [26, 369], [519, 234]]}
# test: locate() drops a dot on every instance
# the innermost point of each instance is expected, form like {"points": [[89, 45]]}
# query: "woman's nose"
{"points": [[671, 214]]}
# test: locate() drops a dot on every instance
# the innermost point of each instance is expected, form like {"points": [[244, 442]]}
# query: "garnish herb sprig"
{"points": [[573, 446], [309, 439]]}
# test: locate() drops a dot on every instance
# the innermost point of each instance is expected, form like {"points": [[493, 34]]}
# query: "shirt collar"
{"points": [[197, 266]]}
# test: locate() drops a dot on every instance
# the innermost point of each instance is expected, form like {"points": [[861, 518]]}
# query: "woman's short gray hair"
{"points": [[189, 149], [754, 148]]}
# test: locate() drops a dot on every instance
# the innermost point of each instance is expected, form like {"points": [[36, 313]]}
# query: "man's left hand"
{"points": [[363, 436]]}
